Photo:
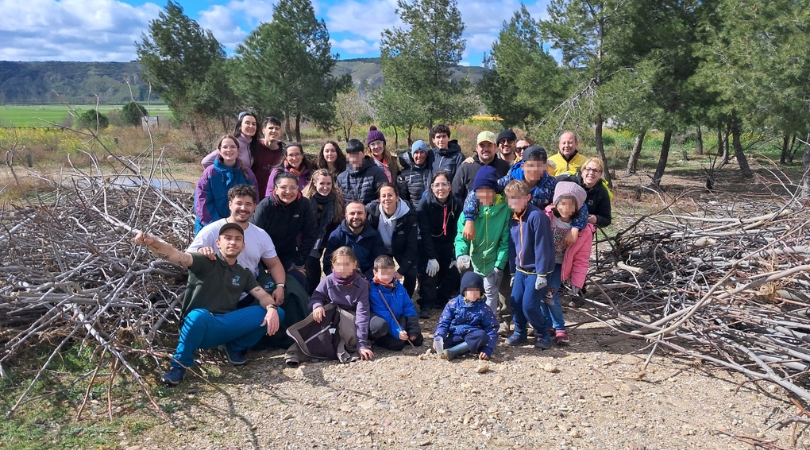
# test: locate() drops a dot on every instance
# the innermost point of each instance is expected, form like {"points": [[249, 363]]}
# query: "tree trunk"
{"points": [[396, 137], [410, 130], [662, 160], [791, 151], [738, 150], [726, 154], [287, 132], [785, 149], [632, 163], [298, 127], [699, 141], [806, 167], [600, 148]]}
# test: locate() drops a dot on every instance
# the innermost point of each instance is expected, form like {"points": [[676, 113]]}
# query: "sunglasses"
{"points": [[522, 149]]}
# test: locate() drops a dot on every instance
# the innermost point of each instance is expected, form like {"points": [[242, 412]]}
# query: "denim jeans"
{"points": [[552, 309], [240, 330], [527, 304]]}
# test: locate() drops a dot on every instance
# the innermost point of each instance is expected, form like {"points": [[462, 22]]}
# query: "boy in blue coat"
{"points": [[394, 321], [467, 323], [532, 251]]}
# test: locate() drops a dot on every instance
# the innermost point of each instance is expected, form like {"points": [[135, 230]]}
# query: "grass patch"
{"points": [[40, 115]]}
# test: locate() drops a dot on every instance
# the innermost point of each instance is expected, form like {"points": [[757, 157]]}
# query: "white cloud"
{"points": [[354, 46], [219, 19], [364, 19]]}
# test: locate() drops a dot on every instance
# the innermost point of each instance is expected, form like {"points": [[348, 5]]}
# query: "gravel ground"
{"points": [[577, 396]]}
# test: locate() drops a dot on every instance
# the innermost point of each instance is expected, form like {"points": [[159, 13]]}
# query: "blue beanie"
{"points": [[374, 135], [419, 145], [486, 178], [472, 280]]}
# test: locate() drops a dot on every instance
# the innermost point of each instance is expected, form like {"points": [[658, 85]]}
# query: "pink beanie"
{"points": [[568, 189], [374, 135]]}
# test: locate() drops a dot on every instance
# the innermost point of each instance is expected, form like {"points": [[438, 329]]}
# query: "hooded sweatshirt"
{"points": [[446, 159], [211, 194], [399, 233], [361, 184], [532, 241]]}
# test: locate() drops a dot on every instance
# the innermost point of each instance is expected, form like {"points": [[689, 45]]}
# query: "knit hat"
{"points": [[485, 136], [535, 153], [568, 189], [506, 134], [374, 135], [472, 280], [419, 146], [486, 178]]}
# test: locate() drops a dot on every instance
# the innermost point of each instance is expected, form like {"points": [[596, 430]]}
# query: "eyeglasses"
{"points": [[591, 169], [440, 185], [521, 149], [287, 188]]}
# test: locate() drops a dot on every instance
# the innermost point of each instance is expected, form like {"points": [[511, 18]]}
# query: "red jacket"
{"points": [[577, 256]]}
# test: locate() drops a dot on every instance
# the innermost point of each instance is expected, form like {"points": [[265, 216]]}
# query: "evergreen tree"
{"points": [[131, 113]]}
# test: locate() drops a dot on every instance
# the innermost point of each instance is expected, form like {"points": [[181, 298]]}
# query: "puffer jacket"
{"points": [[447, 159], [403, 241], [293, 228], [438, 224], [490, 249], [397, 299], [461, 317], [413, 180], [577, 256], [361, 184], [211, 194], [561, 165]]}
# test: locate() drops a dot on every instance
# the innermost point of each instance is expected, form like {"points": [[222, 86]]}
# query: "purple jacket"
{"points": [[352, 297], [303, 180]]}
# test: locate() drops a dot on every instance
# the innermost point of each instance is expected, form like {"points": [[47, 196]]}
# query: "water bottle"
{"points": [[438, 344]]}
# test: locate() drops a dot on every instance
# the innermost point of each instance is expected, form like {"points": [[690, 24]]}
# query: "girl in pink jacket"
{"points": [[571, 260]]}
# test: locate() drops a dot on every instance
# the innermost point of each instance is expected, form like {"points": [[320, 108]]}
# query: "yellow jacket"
{"points": [[562, 166]]}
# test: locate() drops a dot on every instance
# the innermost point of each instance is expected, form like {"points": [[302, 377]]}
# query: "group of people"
{"points": [[488, 239]]}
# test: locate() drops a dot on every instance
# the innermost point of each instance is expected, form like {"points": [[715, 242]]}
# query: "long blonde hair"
{"points": [[310, 190]]}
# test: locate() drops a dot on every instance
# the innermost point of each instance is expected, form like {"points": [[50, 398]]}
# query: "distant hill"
{"points": [[78, 82]]}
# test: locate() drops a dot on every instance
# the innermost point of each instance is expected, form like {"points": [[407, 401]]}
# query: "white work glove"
{"points": [[463, 263], [452, 264], [540, 282], [511, 281], [432, 268]]}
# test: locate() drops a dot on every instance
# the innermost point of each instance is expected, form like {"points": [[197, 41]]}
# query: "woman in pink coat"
{"points": [[571, 260]]}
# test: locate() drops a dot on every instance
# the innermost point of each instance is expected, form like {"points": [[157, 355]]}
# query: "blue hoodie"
{"points": [[532, 242]]}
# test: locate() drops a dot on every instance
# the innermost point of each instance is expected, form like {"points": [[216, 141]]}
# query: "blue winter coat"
{"points": [[461, 317], [531, 247], [397, 298], [211, 195]]}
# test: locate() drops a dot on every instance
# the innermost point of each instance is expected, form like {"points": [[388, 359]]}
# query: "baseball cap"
{"points": [[231, 226], [485, 136]]}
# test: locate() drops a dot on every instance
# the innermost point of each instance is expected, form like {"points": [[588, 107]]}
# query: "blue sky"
{"points": [[105, 30]]}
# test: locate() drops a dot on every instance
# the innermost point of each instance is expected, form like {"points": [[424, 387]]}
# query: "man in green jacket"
{"points": [[488, 252]]}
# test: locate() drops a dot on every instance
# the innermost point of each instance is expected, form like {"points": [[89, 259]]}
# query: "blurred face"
{"points": [[344, 266], [272, 131], [533, 171], [591, 174], [517, 202], [295, 157], [568, 144], [386, 274], [566, 207], [330, 153], [388, 200], [486, 152], [249, 126], [420, 157], [355, 216], [506, 146], [472, 294], [323, 185], [440, 140], [230, 243], [242, 208], [441, 188], [229, 151], [354, 160], [485, 195], [286, 190], [377, 148], [520, 147]]}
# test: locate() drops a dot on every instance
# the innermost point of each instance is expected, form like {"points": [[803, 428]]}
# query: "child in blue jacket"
{"points": [[394, 321], [467, 323]]}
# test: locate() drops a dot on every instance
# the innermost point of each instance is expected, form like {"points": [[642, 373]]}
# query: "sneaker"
{"points": [[543, 344], [516, 339], [173, 377], [562, 337], [503, 329], [553, 333], [234, 357]]}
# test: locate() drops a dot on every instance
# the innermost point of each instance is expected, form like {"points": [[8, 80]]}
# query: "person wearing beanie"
{"points": [[568, 160], [571, 261], [486, 155], [362, 177], [487, 253], [375, 141], [416, 173], [467, 324], [506, 146]]}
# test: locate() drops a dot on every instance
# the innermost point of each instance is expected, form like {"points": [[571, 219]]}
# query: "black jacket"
{"points": [[367, 247], [404, 246], [293, 228], [361, 184], [438, 224], [447, 160], [326, 222], [463, 182], [413, 180], [598, 199]]}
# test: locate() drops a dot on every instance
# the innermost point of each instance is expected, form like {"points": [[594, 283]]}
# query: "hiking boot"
{"points": [[173, 377], [562, 337], [456, 351], [504, 329], [516, 339], [543, 343], [234, 357]]}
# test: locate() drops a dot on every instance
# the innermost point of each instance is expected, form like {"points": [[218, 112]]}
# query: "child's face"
{"points": [[472, 294], [533, 171], [355, 159], [344, 266], [485, 195], [566, 207], [385, 274], [517, 202]]}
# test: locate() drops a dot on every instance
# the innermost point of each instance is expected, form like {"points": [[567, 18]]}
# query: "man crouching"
{"points": [[210, 315]]}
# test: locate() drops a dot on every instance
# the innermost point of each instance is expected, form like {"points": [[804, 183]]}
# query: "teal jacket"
{"points": [[490, 248]]}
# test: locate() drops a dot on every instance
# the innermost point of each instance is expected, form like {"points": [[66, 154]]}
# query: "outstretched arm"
{"points": [[163, 250]]}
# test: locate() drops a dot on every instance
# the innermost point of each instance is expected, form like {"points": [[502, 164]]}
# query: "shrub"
{"points": [[131, 113], [89, 119]]}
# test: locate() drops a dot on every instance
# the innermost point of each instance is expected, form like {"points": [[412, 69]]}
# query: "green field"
{"points": [[40, 115]]}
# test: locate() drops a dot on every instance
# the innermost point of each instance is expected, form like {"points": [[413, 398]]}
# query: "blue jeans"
{"points": [[240, 330], [552, 309], [527, 304]]}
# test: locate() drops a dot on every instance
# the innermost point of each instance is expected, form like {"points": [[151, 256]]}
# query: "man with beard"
{"points": [[355, 233], [485, 156]]}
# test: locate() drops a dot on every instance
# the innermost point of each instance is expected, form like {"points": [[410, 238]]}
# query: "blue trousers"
{"points": [[552, 309], [240, 330], [527, 304], [476, 339]]}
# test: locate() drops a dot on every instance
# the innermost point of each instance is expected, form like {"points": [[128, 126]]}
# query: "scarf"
{"points": [[229, 173], [385, 285], [296, 172], [344, 281], [384, 166]]}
